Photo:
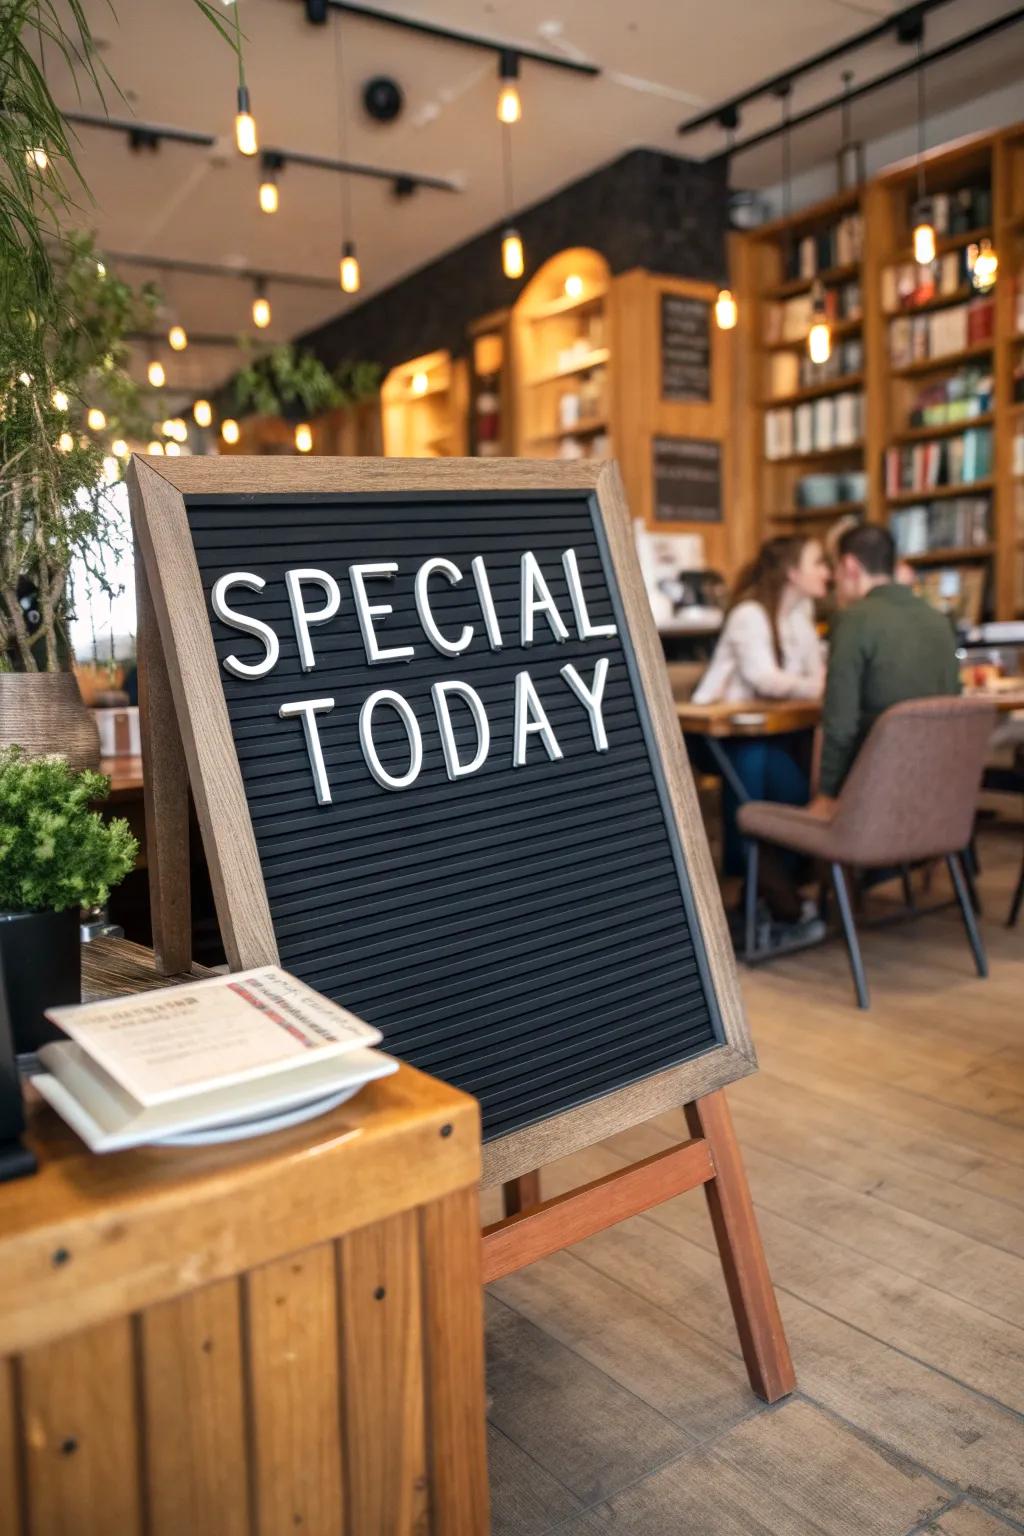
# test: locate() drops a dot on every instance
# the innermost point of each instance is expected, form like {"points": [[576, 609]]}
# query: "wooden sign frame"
{"points": [[187, 740]]}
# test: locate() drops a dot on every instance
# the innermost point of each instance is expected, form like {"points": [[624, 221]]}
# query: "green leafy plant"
{"points": [[55, 850], [284, 378], [62, 351]]}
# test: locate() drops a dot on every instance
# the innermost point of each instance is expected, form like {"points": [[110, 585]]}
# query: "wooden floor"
{"points": [[886, 1156]]}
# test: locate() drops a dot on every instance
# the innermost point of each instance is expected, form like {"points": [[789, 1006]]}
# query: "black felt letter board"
{"points": [[523, 932]]}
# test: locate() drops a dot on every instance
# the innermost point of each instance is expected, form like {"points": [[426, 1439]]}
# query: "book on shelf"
{"points": [[966, 393], [841, 244], [908, 285], [814, 426], [959, 523], [937, 333], [790, 319], [956, 460], [205, 1055]]}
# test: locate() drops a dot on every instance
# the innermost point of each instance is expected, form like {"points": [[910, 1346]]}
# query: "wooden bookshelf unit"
{"points": [[939, 364], [424, 408]]}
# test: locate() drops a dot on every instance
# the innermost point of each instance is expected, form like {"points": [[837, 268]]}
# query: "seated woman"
{"points": [[769, 649]]}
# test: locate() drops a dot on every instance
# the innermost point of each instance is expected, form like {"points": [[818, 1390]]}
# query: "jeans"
{"points": [[769, 768]]}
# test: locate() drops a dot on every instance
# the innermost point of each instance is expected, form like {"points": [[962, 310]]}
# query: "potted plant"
{"points": [[57, 855], [293, 383]]}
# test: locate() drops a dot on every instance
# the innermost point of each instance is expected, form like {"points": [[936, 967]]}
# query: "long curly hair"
{"points": [[763, 579]]}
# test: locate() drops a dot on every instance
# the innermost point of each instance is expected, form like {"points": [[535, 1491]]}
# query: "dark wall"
{"points": [[645, 209]]}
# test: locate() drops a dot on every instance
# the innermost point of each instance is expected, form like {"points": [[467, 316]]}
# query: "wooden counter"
{"points": [[277, 1335]]}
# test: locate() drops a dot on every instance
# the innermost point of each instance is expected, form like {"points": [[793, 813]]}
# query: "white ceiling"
{"points": [[661, 61]]}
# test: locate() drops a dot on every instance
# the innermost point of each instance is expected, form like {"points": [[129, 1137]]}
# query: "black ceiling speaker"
{"points": [[316, 12], [383, 98]]}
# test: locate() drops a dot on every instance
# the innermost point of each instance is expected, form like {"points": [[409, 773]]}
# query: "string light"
{"points": [[101, 270], [202, 413], [983, 263], [60, 400], [175, 428], [155, 373], [119, 447], [111, 469], [230, 430], [348, 268], [172, 450], [65, 442], [167, 427], [177, 338], [95, 419], [261, 307], [573, 286], [156, 448], [510, 107], [819, 337], [304, 437], [512, 260], [726, 312]]}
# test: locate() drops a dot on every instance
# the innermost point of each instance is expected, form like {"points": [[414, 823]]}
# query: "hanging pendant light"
{"points": [[261, 306], [348, 268], [983, 264], [510, 107], [513, 260], [726, 311], [819, 337], [924, 228], [246, 136]]}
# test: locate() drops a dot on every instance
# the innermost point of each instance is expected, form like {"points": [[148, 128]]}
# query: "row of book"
{"points": [[1017, 454], [913, 338], [814, 426], [791, 319], [909, 285], [790, 371], [957, 460], [959, 212], [963, 522], [964, 394], [841, 243]]}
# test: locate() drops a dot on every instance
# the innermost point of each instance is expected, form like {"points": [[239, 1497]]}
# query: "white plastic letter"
{"points": [[535, 597], [584, 628], [483, 592], [309, 709], [530, 719], [433, 634], [366, 611], [591, 698], [412, 730], [439, 693], [249, 626], [301, 617]]}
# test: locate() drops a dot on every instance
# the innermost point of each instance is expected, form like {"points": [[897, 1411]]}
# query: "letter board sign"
{"points": [[439, 773]]}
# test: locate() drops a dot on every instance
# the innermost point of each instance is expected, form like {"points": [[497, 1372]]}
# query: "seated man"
{"points": [[887, 646]]}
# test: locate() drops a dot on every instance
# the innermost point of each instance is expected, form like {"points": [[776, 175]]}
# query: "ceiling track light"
{"points": [[510, 107]]}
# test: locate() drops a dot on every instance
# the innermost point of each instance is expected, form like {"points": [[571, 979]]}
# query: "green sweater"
{"points": [[888, 647]]}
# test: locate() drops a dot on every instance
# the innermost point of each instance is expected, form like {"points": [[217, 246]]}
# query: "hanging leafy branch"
{"points": [[276, 381]]}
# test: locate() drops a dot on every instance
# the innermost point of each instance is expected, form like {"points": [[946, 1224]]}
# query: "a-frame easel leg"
{"points": [[521, 1194], [165, 788], [749, 1283]]}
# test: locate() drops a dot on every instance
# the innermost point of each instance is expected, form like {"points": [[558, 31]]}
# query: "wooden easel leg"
{"points": [[751, 1293], [165, 787], [520, 1194]]}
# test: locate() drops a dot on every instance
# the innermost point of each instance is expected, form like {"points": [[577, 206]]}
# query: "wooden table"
{"points": [[279, 1335]]}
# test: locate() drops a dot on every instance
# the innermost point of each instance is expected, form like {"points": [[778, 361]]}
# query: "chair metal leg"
{"points": [[1018, 898], [954, 863], [750, 899], [909, 899], [850, 934]]}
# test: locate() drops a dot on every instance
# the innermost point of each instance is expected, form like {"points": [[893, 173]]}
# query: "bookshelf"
{"points": [[424, 408], [939, 454], [562, 336]]}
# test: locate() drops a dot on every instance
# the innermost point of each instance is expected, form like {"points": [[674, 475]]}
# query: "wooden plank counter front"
{"points": [[273, 1336]]}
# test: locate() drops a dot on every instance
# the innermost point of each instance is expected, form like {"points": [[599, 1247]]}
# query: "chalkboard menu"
{"points": [[687, 480], [685, 348]]}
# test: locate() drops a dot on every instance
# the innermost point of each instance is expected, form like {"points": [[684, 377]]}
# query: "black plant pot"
{"points": [[42, 968]]}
